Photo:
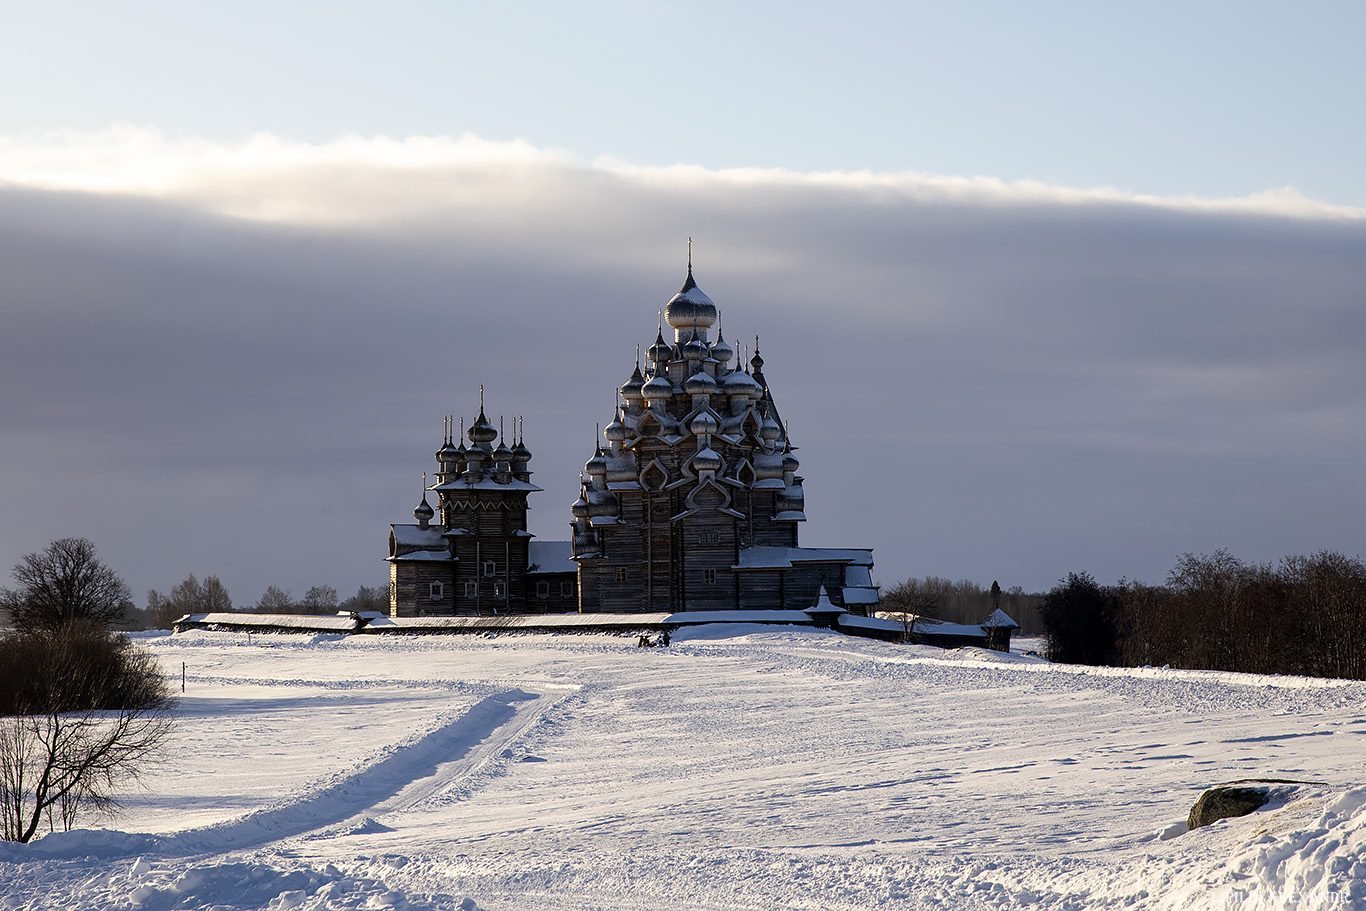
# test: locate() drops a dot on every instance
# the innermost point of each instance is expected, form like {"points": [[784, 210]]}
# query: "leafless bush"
{"points": [[86, 710]]}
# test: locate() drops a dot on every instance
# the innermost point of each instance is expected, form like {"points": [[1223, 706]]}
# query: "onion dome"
{"points": [[596, 465], [706, 460], [481, 431], [690, 308], [615, 432], [423, 513], [700, 383], [660, 352], [756, 363], [502, 453], [790, 462], [657, 389], [694, 349], [704, 423], [738, 382], [580, 507], [447, 455], [769, 430], [630, 390], [722, 350], [520, 454]]}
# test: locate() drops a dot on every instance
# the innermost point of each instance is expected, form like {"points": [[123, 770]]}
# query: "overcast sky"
{"points": [[1038, 294]]}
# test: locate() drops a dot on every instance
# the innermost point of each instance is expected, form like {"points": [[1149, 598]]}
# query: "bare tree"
{"points": [[275, 600], [912, 600], [213, 596], [320, 599], [87, 710], [189, 597], [64, 582]]}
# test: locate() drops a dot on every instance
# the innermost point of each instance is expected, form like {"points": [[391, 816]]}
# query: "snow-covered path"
{"points": [[744, 769]]}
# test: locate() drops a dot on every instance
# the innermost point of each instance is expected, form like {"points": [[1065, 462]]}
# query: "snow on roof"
{"points": [[419, 556], [824, 604], [1000, 619], [854, 620], [768, 557], [338, 622], [931, 627], [689, 618], [860, 595], [925, 626], [552, 557], [517, 621], [417, 536]]}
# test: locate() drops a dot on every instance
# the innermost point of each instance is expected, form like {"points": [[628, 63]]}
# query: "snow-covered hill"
{"points": [[741, 768]]}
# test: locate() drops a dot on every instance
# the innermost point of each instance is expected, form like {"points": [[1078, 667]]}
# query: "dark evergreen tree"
{"points": [[1080, 621]]}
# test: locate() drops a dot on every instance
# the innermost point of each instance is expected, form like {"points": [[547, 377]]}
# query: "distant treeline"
{"points": [[1304, 615], [964, 602]]}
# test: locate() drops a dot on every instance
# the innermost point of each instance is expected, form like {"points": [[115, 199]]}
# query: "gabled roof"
{"points": [[1000, 620]]}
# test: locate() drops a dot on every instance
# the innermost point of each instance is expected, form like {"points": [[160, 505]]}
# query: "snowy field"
{"points": [[738, 769]]}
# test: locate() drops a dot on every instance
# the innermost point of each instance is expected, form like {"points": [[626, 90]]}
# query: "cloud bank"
{"points": [[234, 360], [271, 179]]}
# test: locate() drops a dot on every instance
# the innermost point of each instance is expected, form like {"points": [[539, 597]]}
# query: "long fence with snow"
{"points": [[929, 632]]}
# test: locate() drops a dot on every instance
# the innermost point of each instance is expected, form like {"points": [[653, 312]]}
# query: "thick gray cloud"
{"points": [[246, 377]]}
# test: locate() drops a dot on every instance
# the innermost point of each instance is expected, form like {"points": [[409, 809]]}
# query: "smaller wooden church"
{"points": [[694, 504], [473, 553]]}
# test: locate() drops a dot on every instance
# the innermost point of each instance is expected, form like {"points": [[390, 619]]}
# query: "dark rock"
{"points": [[1226, 802]]}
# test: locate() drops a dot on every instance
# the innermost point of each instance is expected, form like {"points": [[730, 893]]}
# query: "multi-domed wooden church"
{"points": [[692, 505]]}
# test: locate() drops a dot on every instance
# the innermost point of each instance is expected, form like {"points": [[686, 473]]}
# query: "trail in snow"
{"points": [[773, 769], [404, 778]]}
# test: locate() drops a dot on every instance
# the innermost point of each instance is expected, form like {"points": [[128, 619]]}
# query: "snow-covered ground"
{"points": [[741, 768]]}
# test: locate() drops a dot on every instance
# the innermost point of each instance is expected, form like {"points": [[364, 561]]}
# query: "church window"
{"points": [[621, 574], [490, 569], [437, 591], [471, 589], [543, 589], [566, 589], [708, 537], [709, 576], [500, 589]]}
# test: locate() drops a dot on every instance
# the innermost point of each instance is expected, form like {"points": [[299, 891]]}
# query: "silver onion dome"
{"points": [[690, 308]]}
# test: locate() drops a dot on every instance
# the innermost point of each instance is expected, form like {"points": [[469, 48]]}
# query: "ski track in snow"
{"points": [[745, 770]]}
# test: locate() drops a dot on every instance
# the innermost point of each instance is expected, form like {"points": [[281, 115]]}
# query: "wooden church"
{"points": [[694, 504]]}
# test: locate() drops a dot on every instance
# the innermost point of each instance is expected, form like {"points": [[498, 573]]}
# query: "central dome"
{"points": [[690, 308]]}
